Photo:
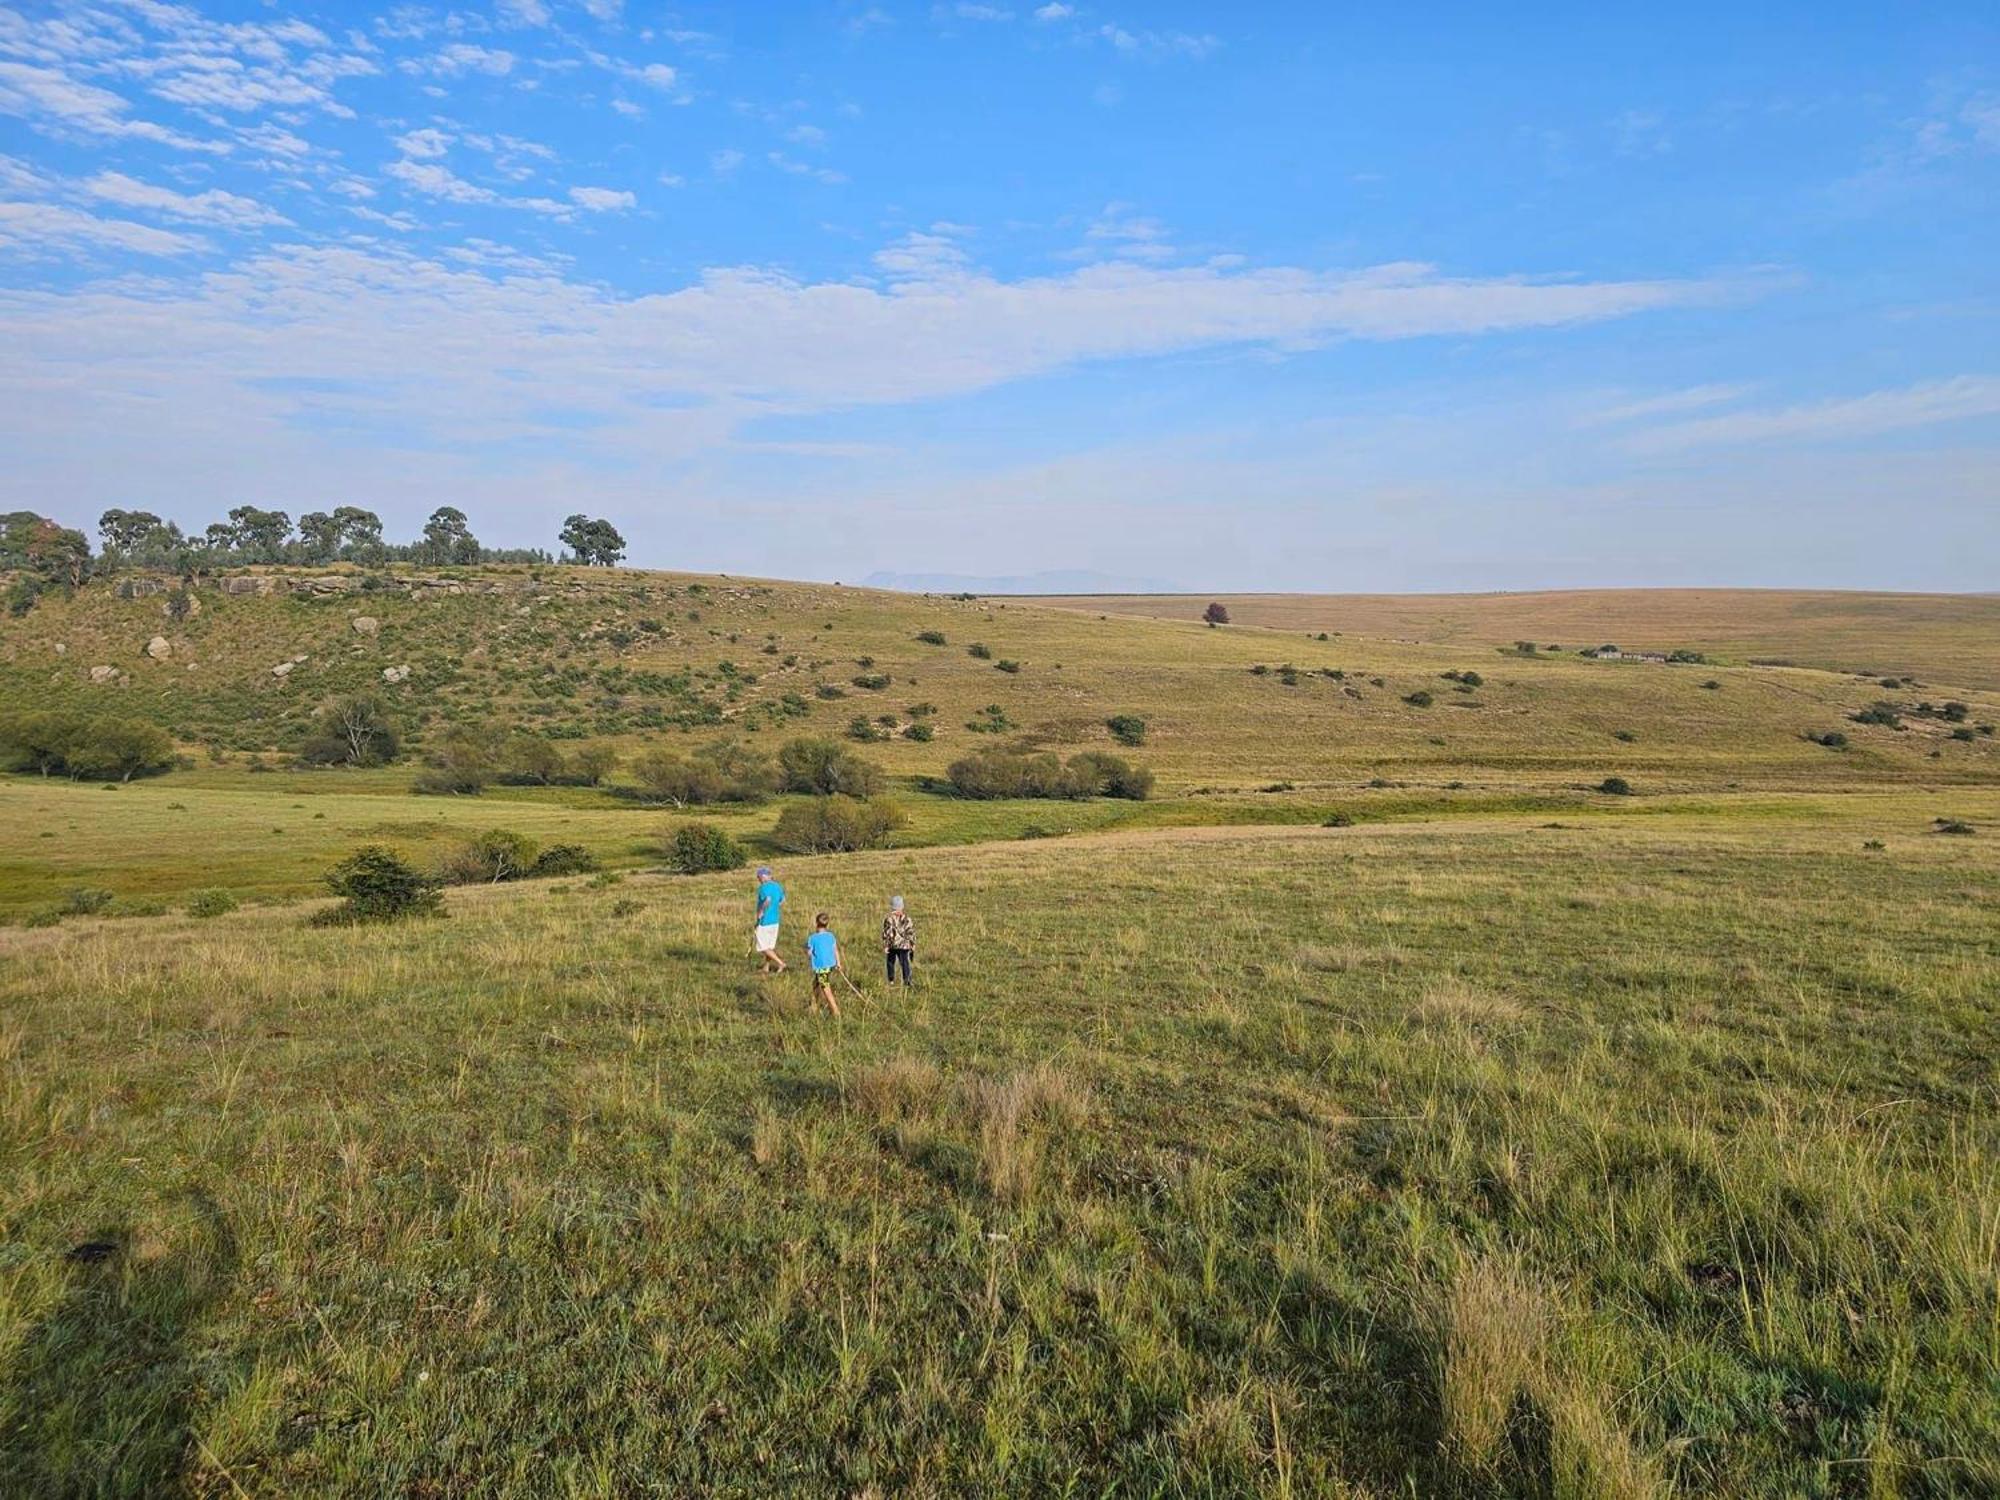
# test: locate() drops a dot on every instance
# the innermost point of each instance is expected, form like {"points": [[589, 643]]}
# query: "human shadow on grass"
{"points": [[99, 1400]]}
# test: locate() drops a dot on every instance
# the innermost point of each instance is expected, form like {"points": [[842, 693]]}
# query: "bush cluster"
{"points": [[376, 884], [825, 768], [502, 854], [83, 747], [989, 774], [837, 825], [697, 848], [353, 731], [1127, 729], [725, 771]]}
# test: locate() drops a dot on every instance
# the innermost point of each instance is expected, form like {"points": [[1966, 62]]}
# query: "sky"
{"points": [[1241, 297]]}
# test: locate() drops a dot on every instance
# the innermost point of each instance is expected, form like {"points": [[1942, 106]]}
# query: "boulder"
{"points": [[62, 648], [366, 625], [103, 674], [283, 669], [159, 648], [395, 674]]}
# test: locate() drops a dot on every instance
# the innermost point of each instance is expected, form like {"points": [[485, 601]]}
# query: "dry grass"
{"points": [[1491, 1330], [1452, 1001]]}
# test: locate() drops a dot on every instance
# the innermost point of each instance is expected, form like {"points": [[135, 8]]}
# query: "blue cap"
{"points": [[763, 872]]}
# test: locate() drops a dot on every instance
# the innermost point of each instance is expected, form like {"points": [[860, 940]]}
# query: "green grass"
{"points": [[1652, 1154]]}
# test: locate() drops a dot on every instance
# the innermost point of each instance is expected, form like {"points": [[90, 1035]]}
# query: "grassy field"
{"points": [[1640, 1155], [1950, 637], [1514, 1139]]}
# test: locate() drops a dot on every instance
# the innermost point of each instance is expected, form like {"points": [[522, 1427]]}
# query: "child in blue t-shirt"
{"points": [[823, 951]]}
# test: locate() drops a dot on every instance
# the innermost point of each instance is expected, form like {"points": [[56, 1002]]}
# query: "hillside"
{"points": [[1951, 638], [632, 660]]}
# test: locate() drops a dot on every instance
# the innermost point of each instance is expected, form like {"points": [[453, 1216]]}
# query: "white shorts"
{"points": [[767, 939]]}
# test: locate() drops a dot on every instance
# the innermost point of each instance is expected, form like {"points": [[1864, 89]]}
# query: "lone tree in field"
{"points": [[1216, 614], [593, 543], [448, 537]]}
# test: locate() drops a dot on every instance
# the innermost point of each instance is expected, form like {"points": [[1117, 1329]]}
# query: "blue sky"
{"points": [[1259, 296]]}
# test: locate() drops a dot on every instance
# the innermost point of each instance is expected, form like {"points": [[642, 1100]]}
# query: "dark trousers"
{"points": [[897, 956]]}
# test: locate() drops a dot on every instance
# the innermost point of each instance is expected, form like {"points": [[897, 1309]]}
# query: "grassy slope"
{"points": [[1954, 638], [1216, 1161]]}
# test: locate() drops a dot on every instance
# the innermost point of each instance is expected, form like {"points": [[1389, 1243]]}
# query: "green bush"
{"points": [[922, 733], [1007, 665], [563, 859], [872, 682], [1885, 714], [931, 637], [860, 727], [211, 903], [353, 731], [726, 771], [377, 884], [990, 774], [1615, 786], [1421, 698], [979, 651], [1833, 739], [86, 901], [1127, 729], [464, 760], [83, 747], [836, 825], [495, 855], [698, 848], [823, 768]]}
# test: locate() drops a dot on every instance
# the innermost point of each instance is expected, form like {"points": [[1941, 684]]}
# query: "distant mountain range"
{"points": [[1059, 581]]}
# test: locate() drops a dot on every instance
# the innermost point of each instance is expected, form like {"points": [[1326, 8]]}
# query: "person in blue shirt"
{"points": [[770, 907], [823, 950]]}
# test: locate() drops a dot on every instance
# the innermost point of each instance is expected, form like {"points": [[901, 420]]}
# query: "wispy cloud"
{"points": [[47, 229], [227, 210], [1839, 418], [1670, 403], [52, 101]]}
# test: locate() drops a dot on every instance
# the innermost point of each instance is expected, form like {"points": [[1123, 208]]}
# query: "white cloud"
{"points": [[17, 176], [1054, 11], [628, 109], [723, 162], [972, 10], [1671, 403], [46, 229], [826, 175], [425, 145], [49, 99], [1122, 234], [460, 58], [214, 206], [806, 135], [605, 10], [523, 13], [435, 180], [602, 200], [1869, 415]]}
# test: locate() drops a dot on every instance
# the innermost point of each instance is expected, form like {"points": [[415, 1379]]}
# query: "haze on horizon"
{"points": [[1446, 300]]}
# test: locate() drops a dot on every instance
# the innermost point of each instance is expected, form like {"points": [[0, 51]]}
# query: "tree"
{"points": [[39, 740], [119, 749], [593, 763], [259, 535], [448, 538], [128, 531], [319, 537], [360, 533], [461, 764], [1216, 614], [353, 731], [823, 768], [46, 554], [593, 543]]}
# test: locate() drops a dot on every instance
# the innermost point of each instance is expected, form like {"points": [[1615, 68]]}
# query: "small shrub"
{"points": [[1712, 685], [495, 855], [1885, 714], [563, 859], [1624, 736], [1954, 826], [872, 682], [979, 651], [823, 768], [1216, 614], [1615, 786], [1421, 698], [1338, 820], [86, 901], [865, 730], [836, 825], [1127, 729], [923, 734], [211, 903], [828, 691], [931, 637], [377, 884], [1833, 739], [1874, 846], [701, 848], [1007, 665]]}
